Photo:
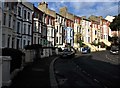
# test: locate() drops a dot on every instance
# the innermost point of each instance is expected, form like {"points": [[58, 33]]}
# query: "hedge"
{"points": [[16, 56]]}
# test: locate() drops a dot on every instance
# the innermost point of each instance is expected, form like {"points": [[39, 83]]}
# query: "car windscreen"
{"points": [[114, 48]]}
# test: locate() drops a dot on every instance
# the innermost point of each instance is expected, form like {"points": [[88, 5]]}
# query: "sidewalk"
{"points": [[35, 75]]}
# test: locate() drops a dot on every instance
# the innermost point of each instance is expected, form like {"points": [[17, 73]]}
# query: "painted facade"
{"points": [[49, 21], [69, 36], [39, 29], [59, 28]]}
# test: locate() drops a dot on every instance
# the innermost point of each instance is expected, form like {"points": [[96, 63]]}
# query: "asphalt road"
{"points": [[95, 70]]}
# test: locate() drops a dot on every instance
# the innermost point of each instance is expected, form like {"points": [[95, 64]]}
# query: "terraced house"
{"points": [[69, 26], [77, 31], [49, 21], [59, 28], [9, 18], [24, 24], [39, 31]]}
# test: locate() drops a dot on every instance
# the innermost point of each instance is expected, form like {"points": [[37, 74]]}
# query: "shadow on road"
{"points": [[105, 72]]}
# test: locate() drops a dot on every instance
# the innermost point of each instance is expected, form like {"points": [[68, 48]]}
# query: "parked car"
{"points": [[67, 53], [114, 49], [85, 50]]}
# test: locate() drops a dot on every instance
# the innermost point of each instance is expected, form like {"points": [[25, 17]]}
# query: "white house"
{"points": [[24, 24], [9, 24], [59, 28], [86, 30]]}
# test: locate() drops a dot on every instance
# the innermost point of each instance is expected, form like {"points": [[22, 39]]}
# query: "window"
{"points": [[9, 21], [24, 42], [4, 19], [88, 30], [49, 22], [40, 27], [29, 15], [13, 40], [34, 40], [35, 29], [8, 42], [13, 24], [43, 20], [88, 39], [57, 29], [28, 42], [24, 14], [40, 17], [3, 40], [18, 41], [61, 29], [95, 32], [19, 11], [104, 36], [6, 4], [57, 39], [36, 15], [60, 40], [24, 29], [52, 32], [40, 41], [18, 27], [29, 29], [45, 42]]}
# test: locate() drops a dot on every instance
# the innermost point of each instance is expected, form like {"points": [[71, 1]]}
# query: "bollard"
{"points": [[6, 81], [0, 71]]}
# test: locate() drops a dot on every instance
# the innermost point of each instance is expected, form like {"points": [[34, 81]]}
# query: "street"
{"points": [[95, 70]]}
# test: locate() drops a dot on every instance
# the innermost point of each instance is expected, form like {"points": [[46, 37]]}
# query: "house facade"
{"points": [[86, 30], [9, 19], [59, 28], [77, 31], [39, 28], [68, 27], [50, 22], [24, 24]]}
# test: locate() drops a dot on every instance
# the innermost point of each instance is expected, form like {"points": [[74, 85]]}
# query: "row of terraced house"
{"points": [[24, 24]]}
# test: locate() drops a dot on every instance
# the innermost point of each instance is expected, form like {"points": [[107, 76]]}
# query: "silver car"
{"points": [[114, 49]]}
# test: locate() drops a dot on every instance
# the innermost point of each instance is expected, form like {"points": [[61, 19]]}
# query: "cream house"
{"points": [[77, 31]]}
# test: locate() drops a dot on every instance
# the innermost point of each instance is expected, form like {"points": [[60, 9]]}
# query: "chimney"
{"points": [[43, 6], [63, 11]]}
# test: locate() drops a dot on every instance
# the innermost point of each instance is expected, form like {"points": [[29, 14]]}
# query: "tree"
{"points": [[115, 25], [78, 38]]}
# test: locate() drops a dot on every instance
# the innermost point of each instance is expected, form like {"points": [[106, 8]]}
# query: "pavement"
{"points": [[34, 75]]}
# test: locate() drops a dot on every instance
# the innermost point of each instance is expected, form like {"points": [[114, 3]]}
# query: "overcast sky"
{"points": [[84, 7]]}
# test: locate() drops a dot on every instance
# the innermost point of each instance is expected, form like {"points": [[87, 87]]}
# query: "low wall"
{"points": [[0, 72]]}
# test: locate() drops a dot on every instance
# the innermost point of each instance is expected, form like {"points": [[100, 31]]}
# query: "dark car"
{"points": [[114, 49], [67, 53], [85, 50]]}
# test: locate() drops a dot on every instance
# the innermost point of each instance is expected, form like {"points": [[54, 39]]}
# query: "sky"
{"points": [[84, 7]]}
